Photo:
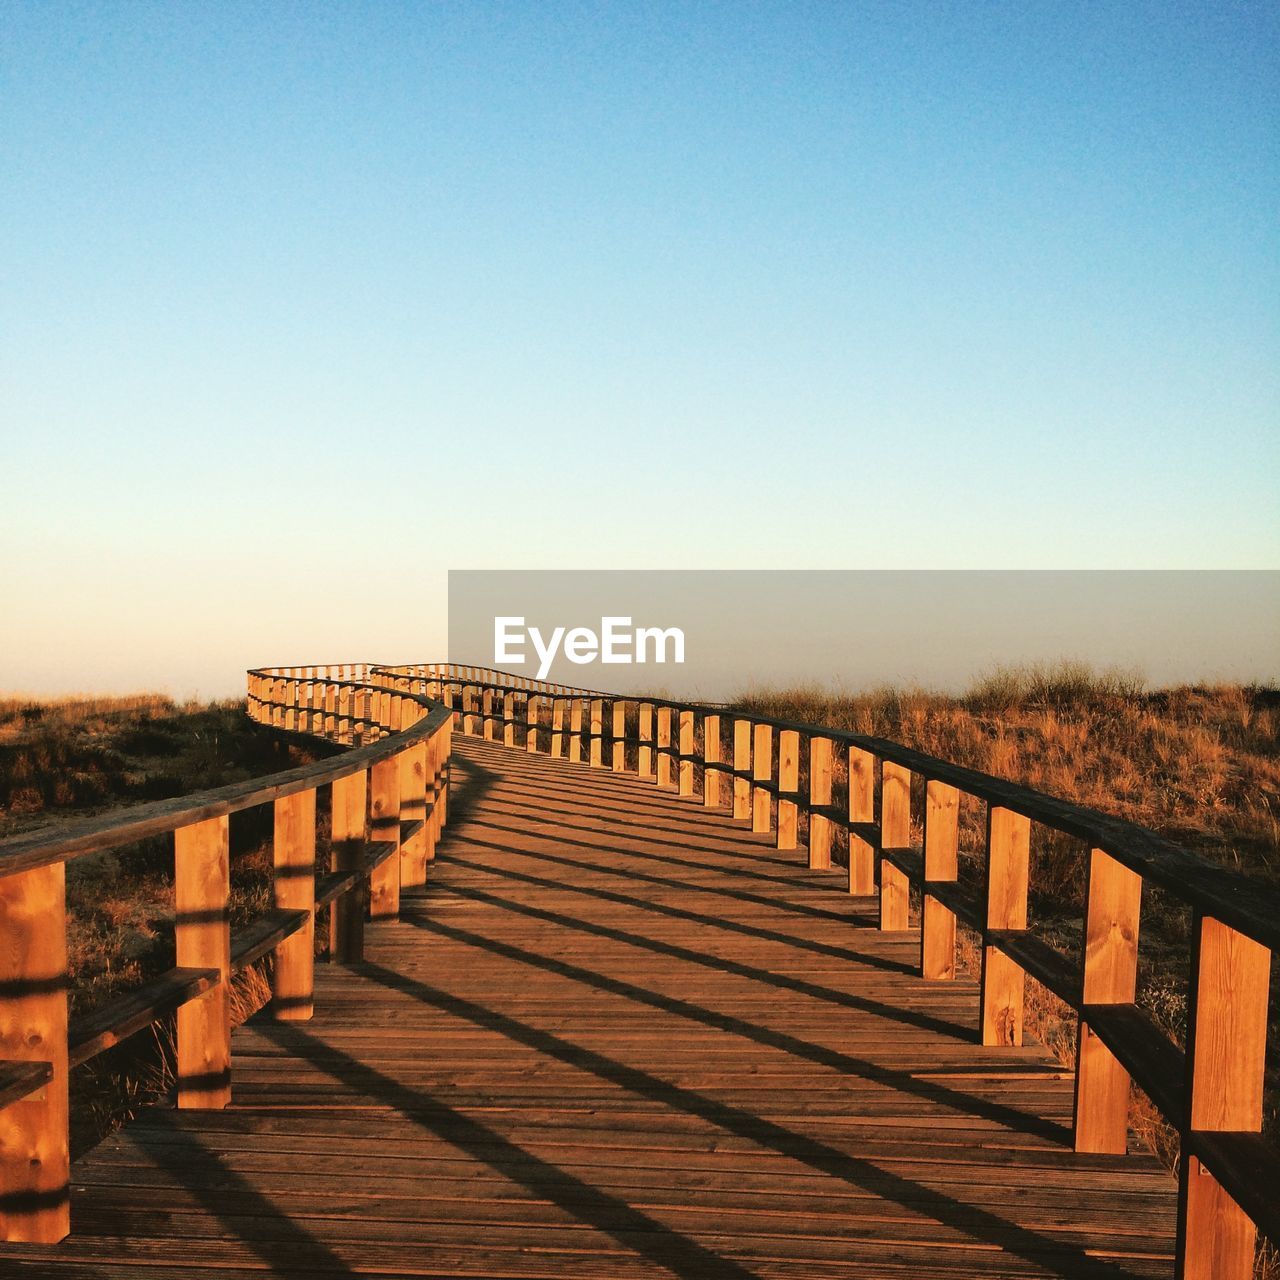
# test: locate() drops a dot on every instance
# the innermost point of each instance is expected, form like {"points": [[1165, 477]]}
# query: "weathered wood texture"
{"points": [[619, 1036]]}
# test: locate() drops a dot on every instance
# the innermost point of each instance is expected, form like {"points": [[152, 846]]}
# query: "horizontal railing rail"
{"points": [[387, 802], [1210, 1091]]}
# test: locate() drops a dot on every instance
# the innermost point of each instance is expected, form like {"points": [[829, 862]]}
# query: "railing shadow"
{"points": [[680, 1253]]}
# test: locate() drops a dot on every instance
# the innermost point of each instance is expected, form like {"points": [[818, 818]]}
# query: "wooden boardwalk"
{"points": [[618, 1036]]}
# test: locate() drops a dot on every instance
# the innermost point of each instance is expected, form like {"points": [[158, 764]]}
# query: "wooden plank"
{"points": [[1003, 984], [19, 1080], [202, 888], [116, 1020], [265, 935], [34, 1153]]}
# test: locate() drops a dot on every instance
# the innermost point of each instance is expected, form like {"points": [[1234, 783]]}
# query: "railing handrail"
{"points": [[124, 825]]}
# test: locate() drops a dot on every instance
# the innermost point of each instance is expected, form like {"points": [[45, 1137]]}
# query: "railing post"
{"points": [[1113, 900], [1003, 982], [619, 713], [35, 1165], [895, 833], [202, 888], [575, 730], [710, 755], [486, 714], [941, 862], [531, 704], [820, 754], [741, 768], [686, 753], [762, 770], [293, 851], [557, 728], [644, 754], [349, 805], [384, 828], [665, 772], [509, 719], [597, 733], [862, 810], [788, 780], [1226, 1058]]}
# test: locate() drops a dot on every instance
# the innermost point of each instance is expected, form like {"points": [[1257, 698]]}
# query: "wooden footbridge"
{"points": [[652, 1004]]}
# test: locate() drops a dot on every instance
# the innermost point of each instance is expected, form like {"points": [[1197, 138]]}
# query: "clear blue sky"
{"points": [[303, 305]]}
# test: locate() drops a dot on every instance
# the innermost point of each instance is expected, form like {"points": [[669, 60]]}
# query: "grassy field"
{"points": [[81, 755], [1199, 764]]}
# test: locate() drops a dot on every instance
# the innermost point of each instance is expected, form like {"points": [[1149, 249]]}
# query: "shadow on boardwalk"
{"points": [[618, 1036]]}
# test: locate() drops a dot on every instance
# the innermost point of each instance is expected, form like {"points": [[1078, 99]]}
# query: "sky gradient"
{"points": [[304, 305]]}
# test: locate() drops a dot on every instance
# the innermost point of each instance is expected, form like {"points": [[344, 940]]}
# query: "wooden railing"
{"points": [[1211, 1092], [857, 806], [387, 805]]}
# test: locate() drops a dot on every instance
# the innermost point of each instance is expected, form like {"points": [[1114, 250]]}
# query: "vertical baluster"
{"points": [[711, 778], [741, 769], [788, 781], [509, 719], [1003, 982], [686, 753], [941, 863], [820, 755], [293, 852], [666, 774], [1226, 1058], [644, 755], [575, 730], [532, 703], [895, 833], [862, 814], [557, 728], [202, 888], [1113, 899], [384, 829], [619, 735], [597, 733], [35, 1166], [349, 806], [762, 771]]}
